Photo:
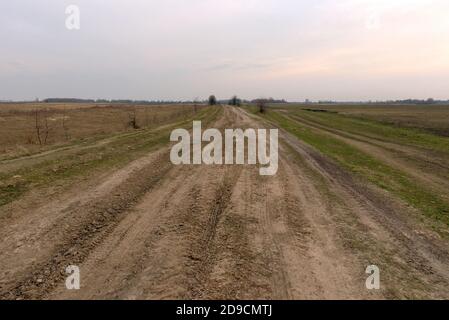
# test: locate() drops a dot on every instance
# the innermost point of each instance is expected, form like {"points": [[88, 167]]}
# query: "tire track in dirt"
{"points": [[206, 248], [84, 229], [331, 271], [232, 268], [269, 193], [422, 260], [75, 227], [150, 253], [363, 225], [29, 233], [328, 270], [290, 245], [136, 256]]}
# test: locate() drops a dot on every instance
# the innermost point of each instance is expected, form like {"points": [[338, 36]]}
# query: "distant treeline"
{"points": [[415, 101], [269, 100], [128, 101], [429, 101], [254, 101], [119, 101]]}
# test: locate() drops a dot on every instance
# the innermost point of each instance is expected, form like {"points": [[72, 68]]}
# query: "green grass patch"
{"points": [[377, 130], [380, 174]]}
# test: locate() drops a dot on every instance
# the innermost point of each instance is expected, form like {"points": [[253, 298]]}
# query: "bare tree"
{"points": [[261, 105], [37, 126], [133, 119], [234, 101], [212, 100], [42, 131]]}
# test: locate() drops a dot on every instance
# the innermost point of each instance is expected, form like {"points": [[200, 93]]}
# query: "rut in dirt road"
{"points": [[84, 228]]}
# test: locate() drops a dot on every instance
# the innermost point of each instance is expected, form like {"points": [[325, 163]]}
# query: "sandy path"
{"points": [[223, 232], [158, 231]]}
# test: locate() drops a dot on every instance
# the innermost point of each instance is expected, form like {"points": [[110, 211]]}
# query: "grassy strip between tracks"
{"points": [[125, 147], [374, 129], [377, 172]]}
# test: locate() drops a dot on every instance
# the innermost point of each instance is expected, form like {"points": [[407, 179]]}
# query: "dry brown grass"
{"points": [[72, 122]]}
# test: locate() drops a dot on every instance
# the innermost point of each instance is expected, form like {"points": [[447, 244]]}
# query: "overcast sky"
{"points": [[183, 49]]}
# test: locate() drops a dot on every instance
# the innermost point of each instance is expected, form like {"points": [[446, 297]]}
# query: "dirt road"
{"points": [[153, 230]]}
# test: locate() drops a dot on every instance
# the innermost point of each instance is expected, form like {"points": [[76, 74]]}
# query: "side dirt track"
{"points": [[152, 230]]}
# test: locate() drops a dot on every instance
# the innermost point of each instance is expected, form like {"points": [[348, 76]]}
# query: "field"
{"points": [[74, 122], [431, 118], [399, 155], [357, 185]]}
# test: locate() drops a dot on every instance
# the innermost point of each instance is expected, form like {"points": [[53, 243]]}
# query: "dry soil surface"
{"points": [[153, 230]]}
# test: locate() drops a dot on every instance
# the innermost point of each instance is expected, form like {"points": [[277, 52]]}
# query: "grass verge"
{"points": [[374, 129], [378, 173]]}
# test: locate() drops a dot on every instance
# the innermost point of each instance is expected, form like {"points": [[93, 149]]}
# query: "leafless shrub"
{"points": [[132, 120], [42, 130], [235, 101], [261, 105], [37, 126], [212, 100]]}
